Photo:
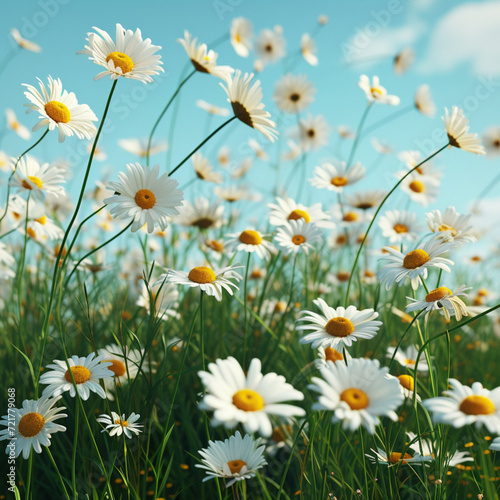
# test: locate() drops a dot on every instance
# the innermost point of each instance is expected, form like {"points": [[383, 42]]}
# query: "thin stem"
{"points": [[202, 331], [390, 118], [484, 192], [245, 325], [57, 471], [75, 446], [358, 134]]}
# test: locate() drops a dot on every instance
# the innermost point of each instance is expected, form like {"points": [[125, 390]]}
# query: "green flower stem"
{"points": [[57, 471], [384, 121], [245, 322], [358, 134]]}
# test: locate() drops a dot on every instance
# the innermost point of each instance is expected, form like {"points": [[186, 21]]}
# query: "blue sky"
{"points": [[461, 68]]}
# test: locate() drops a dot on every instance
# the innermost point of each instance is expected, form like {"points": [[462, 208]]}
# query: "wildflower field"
{"points": [[265, 300]]}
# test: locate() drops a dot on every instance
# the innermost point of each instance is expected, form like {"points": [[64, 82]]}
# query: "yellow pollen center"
{"points": [[355, 398], [122, 61], [395, 457], [248, 400], [298, 239], [343, 275], [407, 382], [250, 237], [415, 258], [417, 186], [482, 292], [477, 405], [35, 180], [81, 374], [350, 217], [332, 354], [42, 220], [236, 465], [58, 112], [123, 423], [445, 227], [202, 274], [339, 181], [118, 367], [31, 232], [299, 214], [339, 327], [215, 245], [376, 92], [400, 228], [438, 294], [14, 125], [237, 38], [145, 199], [30, 424]]}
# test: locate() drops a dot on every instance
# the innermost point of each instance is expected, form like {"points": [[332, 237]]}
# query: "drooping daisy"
{"points": [[139, 147], [208, 280], [270, 45], [400, 226], [337, 327], [87, 373], [212, 108], [375, 92], [23, 42], [286, 209], [313, 132], [451, 225], [116, 425], [245, 99], [241, 36], [298, 236], [18, 128], [465, 405], [458, 132], [58, 108], [293, 93], [165, 299], [235, 458], [201, 214], [491, 140], [357, 394], [203, 60], [366, 200], [250, 241], [204, 170], [423, 101], [408, 357], [143, 196], [130, 56], [403, 60], [33, 426], [398, 266], [308, 49], [336, 177], [247, 399]]}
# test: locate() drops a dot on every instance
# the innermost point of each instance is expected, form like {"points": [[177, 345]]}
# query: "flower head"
{"points": [[458, 132], [375, 92], [116, 425], [298, 236]]}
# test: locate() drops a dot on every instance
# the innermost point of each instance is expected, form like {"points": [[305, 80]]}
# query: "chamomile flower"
{"points": [[366, 200], [116, 425], [87, 373], [495, 444], [357, 394], [43, 228], [245, 99], [330, 354], [247, 399], [212, 108], [465, 405], [13, 124], [286, 209], [491, 140], [241, 36], [399, 267], [59, 109], [458, 132], [270, 45], [165, 299], [422, 189], [423, 101], [403, 60], [260, 153], [34, 425], [231, 193], [380, 456], [139, 147], [250, 241], [130, 56], [407, 386], [210, 281], [204, 170], [298, 236], [375, 92], [351, 217], [337, 327], [407, 358], [336, 177], [203, 60], [235, 458], [143, 196], [5, 256], [23, 42], [201, 214], [293, 93], [308, 49], [412, 158], [451, 225], [313, 132], [400, 226]]}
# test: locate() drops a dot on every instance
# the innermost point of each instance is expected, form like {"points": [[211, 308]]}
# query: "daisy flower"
{"points": [[458, 132], [6, 257], [345, 132], [366, 200], [357, 394], [308, 49], [495, 444], [297, 236], [337, 327], [18, 128], [208, 280], [241, 36], [145, 197], [491, 140], [43, 228], [403, 60], [34, 425], [203, 60], [165, 299], [351, 218], [407, 358], [381, 147], [270, 45], [414, 265], [245, 99], [249, 241], [247, 399], [87, 373], [116, 425], [422, 189], [407, 386], [286, 209], [130, 56], [235, 458], [375, 92], [259, 153], [313, 132], [231, 193], [139, 147], [400, 226], [380, 456], [465, 405], [336, 178], [293, 94], [23, 42], [412, 159], [451, 225], [329, 354], [201, 214], [204, 170], [212, 108], [57, 108], [423, 101]]}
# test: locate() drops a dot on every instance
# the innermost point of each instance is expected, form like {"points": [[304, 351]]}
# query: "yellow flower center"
{"points": [[298, 239], [42, 220], [248, 400], [145, 199], [395, 457], [343, 275], [250, 237], [482, 292], [355, 398], [332, 354], [339, 327], [237, 38], [299, 214], [407, 382], [31, 232], [202, 274], [415, 258], [236, 465], [350, 217], [477, 405], [35, 180], [117, 367], [417, 186], [215, 245], [123, 423], [400, 228], [58, 112], [339, 181], [30, 424], [122, 61], [81, 374], [445, 227], [438, 294], [376, 92]]}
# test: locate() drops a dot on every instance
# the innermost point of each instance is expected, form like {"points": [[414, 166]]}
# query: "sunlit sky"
{"points": [[456, 54]]}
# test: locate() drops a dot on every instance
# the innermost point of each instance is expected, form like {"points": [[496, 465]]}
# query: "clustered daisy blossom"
{"points": [[117, 425]]}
